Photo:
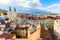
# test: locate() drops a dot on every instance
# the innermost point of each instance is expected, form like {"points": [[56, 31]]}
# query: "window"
{"points": [[7, 19]]}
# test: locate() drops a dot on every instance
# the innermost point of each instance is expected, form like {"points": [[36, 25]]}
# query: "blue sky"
{"points": [[31, 5], [49, 2]]}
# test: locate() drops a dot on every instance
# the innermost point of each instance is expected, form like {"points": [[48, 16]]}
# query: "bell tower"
{"points": [[9, 8], [15, 9]]}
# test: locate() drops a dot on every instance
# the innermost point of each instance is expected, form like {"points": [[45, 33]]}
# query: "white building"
{"points": [[2, 27], [1, 15], [57, 28], [12, 15]]}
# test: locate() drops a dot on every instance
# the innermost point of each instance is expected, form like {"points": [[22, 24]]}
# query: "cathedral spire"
{"points": [[14, 9], [9, 8]]}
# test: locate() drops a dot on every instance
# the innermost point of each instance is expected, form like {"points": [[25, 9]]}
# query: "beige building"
{"points": [[1, 15], [12, 15], [57, 28]]}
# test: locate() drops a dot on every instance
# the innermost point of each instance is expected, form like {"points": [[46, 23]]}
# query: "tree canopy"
{"points": [[3, 11]]}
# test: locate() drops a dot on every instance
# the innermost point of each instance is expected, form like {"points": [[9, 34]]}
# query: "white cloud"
{"points": [[28, 3], [4, 1], [32, 4], [55, 8], [22, 3], [54, 5]]}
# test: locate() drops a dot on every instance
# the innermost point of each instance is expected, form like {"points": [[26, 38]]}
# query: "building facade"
{"points": [[57, 28]]}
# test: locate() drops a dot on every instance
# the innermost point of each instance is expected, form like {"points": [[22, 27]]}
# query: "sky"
{"points": [[31, 5]]}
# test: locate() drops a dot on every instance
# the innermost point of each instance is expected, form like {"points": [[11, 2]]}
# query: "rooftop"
{"points": [[45, 35], [7, 35]]}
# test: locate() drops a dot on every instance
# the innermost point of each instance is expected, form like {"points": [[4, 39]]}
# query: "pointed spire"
{"points": [[14, 9], [49, 12], [9, 8]]}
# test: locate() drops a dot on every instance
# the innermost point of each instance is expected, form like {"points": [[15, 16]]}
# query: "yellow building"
{"points": [[34, 36]]}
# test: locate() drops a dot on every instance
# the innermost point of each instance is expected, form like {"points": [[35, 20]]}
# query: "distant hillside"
{"points": [[33, 11], [3, 11]]}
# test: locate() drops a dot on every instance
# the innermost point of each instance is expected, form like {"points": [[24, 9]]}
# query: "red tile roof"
{"points": [[20, 28], [7, 25], [38, 18], [45, 34], [7, 35]]}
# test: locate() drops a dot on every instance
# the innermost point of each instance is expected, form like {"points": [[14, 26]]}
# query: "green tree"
{"points": [[34, 26], [18, 33], [3, 11]]}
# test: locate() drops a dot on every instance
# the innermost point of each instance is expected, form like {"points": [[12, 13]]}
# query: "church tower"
{"points": [[9, 8], [12, 14], [14, 9]]}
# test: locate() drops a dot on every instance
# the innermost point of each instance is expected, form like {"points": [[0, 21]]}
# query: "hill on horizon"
{"points": [[3, 11]]}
